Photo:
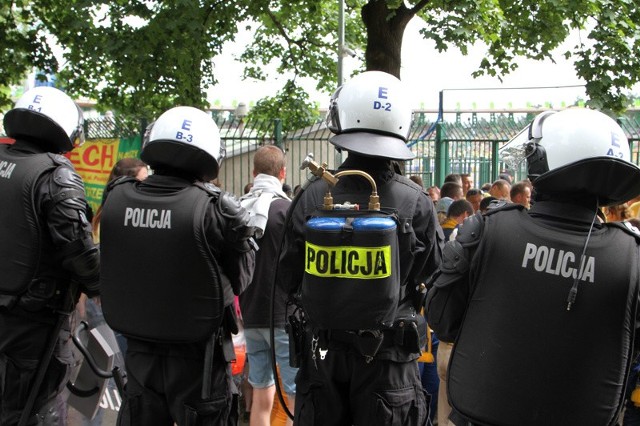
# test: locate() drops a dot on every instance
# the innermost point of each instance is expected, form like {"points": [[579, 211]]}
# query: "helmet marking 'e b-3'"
{"points": [[48, 117], [577, 151], [185, 138], [371, 115]]}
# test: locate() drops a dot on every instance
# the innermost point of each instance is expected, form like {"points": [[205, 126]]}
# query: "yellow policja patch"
{"points": [[348, 261]]}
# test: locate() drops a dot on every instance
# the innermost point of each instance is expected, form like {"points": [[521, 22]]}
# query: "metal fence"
{"points": [[454, 142], [459, 142]]}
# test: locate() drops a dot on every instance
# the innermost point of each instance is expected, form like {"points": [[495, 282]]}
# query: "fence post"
{"points": [[441, 154], [277, 133], [495, 160]]}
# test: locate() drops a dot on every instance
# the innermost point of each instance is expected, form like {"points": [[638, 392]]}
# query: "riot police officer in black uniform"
{"points": [[358, 357], [47, 255], [543, 303], [175, 249]]}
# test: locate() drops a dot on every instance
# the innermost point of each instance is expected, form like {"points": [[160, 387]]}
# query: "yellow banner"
{"points": [[94, 160]]}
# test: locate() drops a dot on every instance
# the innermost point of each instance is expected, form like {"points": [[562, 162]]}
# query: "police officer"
{"points": [[175, 249], [358, 364], [47, 255], [542, 304]]}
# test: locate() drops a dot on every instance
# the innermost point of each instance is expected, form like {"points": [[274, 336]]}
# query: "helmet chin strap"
{"points": [[573, 293]]}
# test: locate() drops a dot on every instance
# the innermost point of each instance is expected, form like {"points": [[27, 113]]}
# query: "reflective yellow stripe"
{"points": [[348, 261]]}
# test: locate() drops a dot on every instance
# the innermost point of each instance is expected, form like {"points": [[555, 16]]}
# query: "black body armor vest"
{"points": [[159, 279], [523, 358], [21, 240], [357, 262]]}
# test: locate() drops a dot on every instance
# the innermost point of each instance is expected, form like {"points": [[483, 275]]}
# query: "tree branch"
{"points": [[284, 34], [419, 6]]}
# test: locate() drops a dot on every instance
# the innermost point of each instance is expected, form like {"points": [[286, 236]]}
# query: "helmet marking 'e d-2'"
{"points": [[187, 139], [371, 115]]}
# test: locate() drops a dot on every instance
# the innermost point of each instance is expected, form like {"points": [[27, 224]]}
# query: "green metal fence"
{"points": [[457, 142], [469, 142]]}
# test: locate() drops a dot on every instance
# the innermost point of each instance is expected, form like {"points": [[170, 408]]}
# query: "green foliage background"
{"points": [[141, 57]]}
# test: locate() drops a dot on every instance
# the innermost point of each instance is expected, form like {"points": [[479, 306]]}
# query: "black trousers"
{"points": [[343, 390], [164, 384], [23, 338]]}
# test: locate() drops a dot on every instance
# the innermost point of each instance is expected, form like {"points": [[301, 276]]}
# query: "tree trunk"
{"points": [[384, 36]]}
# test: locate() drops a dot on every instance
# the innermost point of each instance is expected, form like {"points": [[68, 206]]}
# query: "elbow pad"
{"points": [[470, 231], [82, 259], [236, 229], [457, 254]]}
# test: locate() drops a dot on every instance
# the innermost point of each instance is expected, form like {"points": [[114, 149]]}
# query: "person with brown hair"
{"points": [[617, 212], [132, 167], [417, 179], [457, 212], [520, 193], [474, 196], [500, 189], [267, 205], [467, 182], [451, 190]]}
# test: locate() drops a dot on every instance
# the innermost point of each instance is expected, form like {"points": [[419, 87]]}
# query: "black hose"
{"points": [[287, 221], [272, 311]]}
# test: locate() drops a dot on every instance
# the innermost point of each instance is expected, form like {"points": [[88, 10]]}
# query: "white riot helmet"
{"points": [[47, 116], [577, 151], [371, 115], [185, 138]]}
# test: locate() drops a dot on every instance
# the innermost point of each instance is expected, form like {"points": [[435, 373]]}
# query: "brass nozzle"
{"points": [[374, 201]]}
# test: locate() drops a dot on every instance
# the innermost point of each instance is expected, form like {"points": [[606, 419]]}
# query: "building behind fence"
{"points": [[460, 142]]}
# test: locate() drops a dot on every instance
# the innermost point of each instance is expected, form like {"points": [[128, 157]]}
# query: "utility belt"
{"points": [[369, 343]]}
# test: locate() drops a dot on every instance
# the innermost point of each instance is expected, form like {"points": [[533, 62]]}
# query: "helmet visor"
{"points": [[77, 137], [513, 153]]}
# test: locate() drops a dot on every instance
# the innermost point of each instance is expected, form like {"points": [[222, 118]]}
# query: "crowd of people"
{"points": [[340, 285]]}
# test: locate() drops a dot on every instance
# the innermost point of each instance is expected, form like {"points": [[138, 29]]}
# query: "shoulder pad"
{"points": [[115, 182], [628, 228], [60, 160], [66, 177], [120, 180], [454, 265], [67, 188], [454, 258], [229, 205], [502, 205], [209, 188], [470, 230]]}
